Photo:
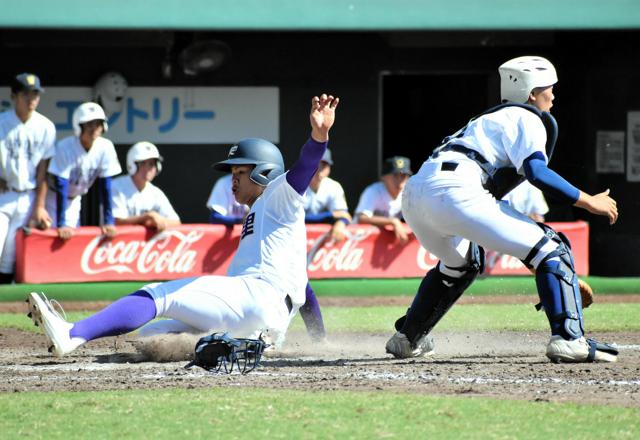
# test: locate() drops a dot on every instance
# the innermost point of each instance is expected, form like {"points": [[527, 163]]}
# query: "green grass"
{"points": [[515, 317], [524, 285], [255, 414]]}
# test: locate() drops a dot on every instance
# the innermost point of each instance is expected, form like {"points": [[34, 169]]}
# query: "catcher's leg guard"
{"points": [[558, 289], [437, 293]]}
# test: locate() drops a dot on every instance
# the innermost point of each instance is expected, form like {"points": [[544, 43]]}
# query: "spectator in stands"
{"points": [[325, 201], [380, 202], [529, 200], [137, 201]]}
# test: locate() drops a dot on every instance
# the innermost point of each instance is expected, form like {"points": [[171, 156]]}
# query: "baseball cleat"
{"points": [[580, 350], [400, 347], [55, 327]]}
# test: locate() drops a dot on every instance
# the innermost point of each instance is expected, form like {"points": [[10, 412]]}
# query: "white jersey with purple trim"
{"points": [[223, 201], [81, 168], [127, 201], [376, 200], [273, 242], [527, 199], [330, 197], [23, 146]]}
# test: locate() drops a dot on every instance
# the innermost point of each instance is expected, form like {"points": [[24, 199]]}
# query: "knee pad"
{"points": [[558, 289], [437, 293]]}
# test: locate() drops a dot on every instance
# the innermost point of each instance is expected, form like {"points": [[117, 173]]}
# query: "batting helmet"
{"points": [[88, 111], [255, 151], [519, 76], [142, 151], [110, 90]]}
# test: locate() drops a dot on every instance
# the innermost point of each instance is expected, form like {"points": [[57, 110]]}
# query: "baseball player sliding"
{"points": [[265, 282], [452, 204]]}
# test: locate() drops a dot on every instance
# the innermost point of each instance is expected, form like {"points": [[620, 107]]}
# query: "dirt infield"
{"points": [[503, 365]]}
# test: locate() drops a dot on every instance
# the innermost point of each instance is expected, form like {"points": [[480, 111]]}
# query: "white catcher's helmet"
{"points": [[142, 151], [110, 91], [88, 111], [519, 76]]}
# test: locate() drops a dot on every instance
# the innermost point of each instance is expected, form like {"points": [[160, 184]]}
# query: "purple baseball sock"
{"points": [[123, 316], [312, 316]]}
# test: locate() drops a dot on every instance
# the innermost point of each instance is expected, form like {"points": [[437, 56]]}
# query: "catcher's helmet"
{"points": [[85, 112], [519, 76], [110, 90], [255, 151], [142, 151]]}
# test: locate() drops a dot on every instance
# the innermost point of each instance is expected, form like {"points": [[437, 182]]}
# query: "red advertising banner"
{"points": [[198, 249]]}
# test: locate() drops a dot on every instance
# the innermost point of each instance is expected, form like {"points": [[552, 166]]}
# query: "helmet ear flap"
{"points": [[262, 174]]}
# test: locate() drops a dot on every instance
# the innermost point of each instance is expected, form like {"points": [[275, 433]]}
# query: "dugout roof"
{"points": [[338, 15]]}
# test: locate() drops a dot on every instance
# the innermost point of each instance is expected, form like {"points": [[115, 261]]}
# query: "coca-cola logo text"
{"points": [[166, 252]]}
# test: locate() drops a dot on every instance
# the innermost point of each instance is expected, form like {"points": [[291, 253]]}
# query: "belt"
{"points": [[288, 302], [471, 154], [449, 166]]}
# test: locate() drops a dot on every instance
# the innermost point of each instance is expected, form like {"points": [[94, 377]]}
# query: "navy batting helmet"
{"points": [[255, 151]]}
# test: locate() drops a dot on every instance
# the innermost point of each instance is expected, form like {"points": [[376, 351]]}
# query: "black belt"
{"points": [[449, 166], [287, 301]]}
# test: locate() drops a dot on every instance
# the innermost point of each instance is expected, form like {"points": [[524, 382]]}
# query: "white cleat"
{"points": [[55, 327], [400, 347], [580, 350]]}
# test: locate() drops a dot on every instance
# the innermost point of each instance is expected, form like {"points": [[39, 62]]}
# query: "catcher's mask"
{"points": [[220, 352]]}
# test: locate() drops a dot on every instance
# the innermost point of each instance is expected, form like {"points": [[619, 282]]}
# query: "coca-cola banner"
{"points": [[137, 253]]}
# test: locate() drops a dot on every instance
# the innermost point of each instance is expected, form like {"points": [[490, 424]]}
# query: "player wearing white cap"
{"points": [[265, 282], [137, 201], [453, 206], [27, 142], [82, 159]]}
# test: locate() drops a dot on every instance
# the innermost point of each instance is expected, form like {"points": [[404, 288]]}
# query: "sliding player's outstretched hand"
{"points": [[323, 114]]}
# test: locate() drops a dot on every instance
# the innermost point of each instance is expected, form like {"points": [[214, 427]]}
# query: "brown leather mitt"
{"points": [[586, 292]]}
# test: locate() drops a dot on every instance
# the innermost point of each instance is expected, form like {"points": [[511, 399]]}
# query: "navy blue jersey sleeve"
{"points": [[320, 217], [104, 188], [218, 219], [301, 173], [62, 196], [548, 181]]}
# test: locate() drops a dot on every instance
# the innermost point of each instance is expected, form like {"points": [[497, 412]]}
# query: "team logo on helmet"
{"points": [[233, 150]]}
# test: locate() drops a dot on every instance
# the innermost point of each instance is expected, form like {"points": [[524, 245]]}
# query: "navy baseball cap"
{"points": [[26, 81], [326, 157], [397, 165]]}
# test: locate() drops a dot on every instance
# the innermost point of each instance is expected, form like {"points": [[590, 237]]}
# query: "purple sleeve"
{"points": [[300, 174]]}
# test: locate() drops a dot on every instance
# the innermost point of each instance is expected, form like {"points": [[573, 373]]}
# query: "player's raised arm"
{"points": [[322, 117]]}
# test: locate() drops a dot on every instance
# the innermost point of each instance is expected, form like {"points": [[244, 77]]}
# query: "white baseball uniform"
{"points": [[81, 168], [223, 201], [22, 147], [447, 209], [330, 197], [128, 201], [527, 199], [376, 200], [268, 266]]}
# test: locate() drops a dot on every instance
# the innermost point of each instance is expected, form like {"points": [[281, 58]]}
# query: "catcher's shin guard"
{"points": [[559, 291], [437, 293]]}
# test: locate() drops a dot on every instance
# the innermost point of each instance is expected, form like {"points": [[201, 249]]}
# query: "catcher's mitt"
{"points": [[586, 292], [220, 352]]}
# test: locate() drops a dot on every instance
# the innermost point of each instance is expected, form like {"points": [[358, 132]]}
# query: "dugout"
{"points": [[408, 72]]}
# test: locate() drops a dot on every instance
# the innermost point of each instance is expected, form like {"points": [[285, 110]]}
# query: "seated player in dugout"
{"points": [[266, 279], [137, 201], [325, 201], [453, 207], [226, 210], [81, 160], [380, 202]]}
